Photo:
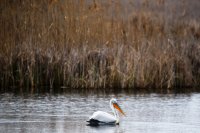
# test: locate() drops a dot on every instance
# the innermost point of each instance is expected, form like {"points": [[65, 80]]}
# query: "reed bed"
{"points": [[99, 45]]}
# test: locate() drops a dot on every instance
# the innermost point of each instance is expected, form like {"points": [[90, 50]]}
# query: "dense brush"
{"points": [[99, 44]]}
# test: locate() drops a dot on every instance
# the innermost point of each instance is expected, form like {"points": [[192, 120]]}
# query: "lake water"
{"points": [[67, 113]]}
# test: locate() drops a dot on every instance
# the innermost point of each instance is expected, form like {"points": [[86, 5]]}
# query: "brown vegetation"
{"points": [[99, 44]]}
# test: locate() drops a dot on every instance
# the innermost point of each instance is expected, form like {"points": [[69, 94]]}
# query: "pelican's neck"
{"points": [[114, 111]]}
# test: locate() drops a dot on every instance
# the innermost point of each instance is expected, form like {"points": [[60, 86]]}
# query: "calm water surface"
{"points": [[67, 113]]}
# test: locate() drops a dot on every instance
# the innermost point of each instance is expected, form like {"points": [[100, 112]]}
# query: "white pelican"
{"points": [[103, 118]]}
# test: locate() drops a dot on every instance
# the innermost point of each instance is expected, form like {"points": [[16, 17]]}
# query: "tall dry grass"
{"points": [[98, 44]]}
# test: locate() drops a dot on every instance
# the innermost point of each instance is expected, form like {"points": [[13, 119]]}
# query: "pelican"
{"points": [[104, 118]]}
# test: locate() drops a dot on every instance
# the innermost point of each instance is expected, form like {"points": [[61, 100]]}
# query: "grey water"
{"points": [[67, 113]]}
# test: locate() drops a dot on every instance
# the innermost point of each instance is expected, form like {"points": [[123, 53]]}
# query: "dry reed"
{"points": [[98, 44]]}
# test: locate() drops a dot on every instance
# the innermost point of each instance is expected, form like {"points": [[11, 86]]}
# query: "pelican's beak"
{"points": [[118, 108]]}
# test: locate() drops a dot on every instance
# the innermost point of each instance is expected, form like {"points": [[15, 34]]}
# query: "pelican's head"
{"points": [[115, 104]]}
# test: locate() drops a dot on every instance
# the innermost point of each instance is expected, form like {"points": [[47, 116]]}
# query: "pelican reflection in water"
{"points": [[104, 118]]}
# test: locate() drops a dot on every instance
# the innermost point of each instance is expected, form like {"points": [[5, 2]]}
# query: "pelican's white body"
{"points": [[104, 117]]}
